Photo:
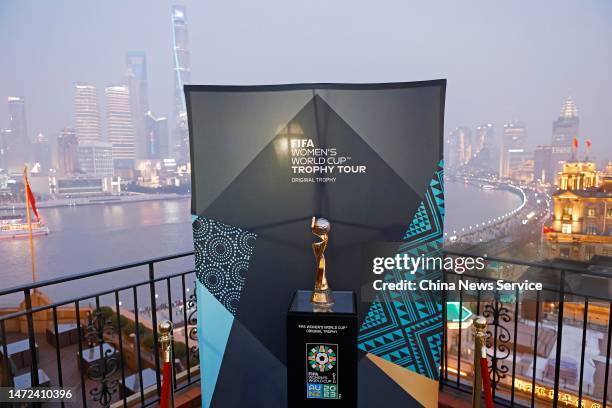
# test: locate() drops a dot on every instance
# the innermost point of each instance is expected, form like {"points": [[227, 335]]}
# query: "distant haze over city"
{"points": [[91, 100], [513, 61]]}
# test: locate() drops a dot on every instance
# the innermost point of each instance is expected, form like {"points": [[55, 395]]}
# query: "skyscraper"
{"points": [[120, 126], [17, 142], [513, 152], [542, 167], [86, 113], [5, 135], [565, 129], [460, 147], [42, 154], [157, 137], [484, 137], [67, 152], [482, 151], [182, 76], [136, 80]]}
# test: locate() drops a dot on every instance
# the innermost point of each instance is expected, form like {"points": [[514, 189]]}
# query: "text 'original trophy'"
{"points": [[322, 338]]}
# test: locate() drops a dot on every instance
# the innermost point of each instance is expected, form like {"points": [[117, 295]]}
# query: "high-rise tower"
{"points": [[86, 113], [157, 137], [484, 137], [5, 136], [513, 152], [16, 140], [460, 146], [182, 76], [542, 166], [136, 80], [120, 127], [565, 129], [482, 147]]}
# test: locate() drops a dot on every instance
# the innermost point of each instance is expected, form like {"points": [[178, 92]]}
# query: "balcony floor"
{"points": [[71, 376]]}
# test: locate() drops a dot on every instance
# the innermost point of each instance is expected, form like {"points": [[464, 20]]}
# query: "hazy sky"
{"points": [[516, 60]]}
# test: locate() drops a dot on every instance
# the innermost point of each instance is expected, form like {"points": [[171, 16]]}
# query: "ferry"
{"points": [[488, 187], [16, 226]]}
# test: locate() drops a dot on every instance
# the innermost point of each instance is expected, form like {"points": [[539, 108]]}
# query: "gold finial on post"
{"points": [[322, 297], [165, 340], [165, 327], [480, 338]]}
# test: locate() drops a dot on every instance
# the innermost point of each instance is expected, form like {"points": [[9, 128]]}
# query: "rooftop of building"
{"points": [[569, 109], [587, 193]]}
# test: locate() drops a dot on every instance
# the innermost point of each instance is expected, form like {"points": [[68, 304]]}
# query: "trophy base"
{"points": [[323, 299], [322, 351]]}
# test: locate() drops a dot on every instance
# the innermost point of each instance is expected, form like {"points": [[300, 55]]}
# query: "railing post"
{"points": [[459, 347], [480, 336], [32, 339], [559, 338], [154, 323]]}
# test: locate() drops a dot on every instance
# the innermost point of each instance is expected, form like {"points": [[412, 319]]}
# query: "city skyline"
{"points": [[510, 68], [526, 91]]}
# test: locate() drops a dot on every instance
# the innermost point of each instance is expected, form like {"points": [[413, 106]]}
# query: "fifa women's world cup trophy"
{"points": [[322, 294], [324, 325]]}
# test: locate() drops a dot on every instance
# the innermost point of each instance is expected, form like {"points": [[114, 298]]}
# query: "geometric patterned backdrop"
{"points": [[246, 182], [405, 327], [222, 255]]}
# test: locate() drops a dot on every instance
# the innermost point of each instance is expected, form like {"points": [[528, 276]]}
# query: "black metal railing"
{"points": [[545, 348], [103, 344]]}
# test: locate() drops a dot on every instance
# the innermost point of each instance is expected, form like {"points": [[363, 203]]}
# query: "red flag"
{"points": [[575, 143], [166, 397], [30, 197]]}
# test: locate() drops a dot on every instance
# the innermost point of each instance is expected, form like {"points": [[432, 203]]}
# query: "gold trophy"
{"points": [[322, 298]]}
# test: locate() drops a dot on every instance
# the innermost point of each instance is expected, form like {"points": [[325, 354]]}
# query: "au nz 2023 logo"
{"points": [[322, 371]]}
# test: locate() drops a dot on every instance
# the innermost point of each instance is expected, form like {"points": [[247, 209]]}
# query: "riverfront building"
{"points": [[67, 152], [96, 159], [581, 225]]}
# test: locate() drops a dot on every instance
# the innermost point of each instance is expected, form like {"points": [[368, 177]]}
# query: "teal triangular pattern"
{"points": [[420, 222], [405, 327]]}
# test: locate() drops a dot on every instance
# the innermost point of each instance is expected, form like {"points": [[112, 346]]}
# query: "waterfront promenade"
{"points": [[97, 200]]}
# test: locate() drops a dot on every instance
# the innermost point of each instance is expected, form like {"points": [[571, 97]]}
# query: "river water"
{"points": [[466, 205], [87, 238]]}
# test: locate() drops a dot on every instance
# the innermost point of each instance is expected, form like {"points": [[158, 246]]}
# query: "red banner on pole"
{"points": [[30, 200]]}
